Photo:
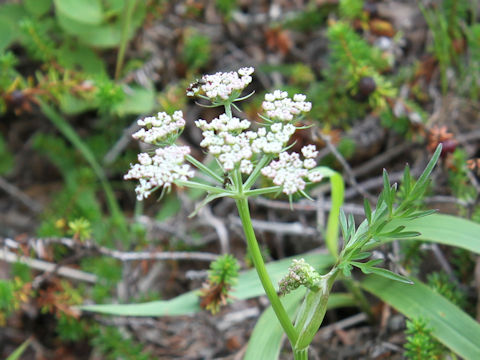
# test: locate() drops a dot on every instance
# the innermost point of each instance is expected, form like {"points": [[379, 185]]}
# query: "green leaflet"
{"points": [[87, 11], [450, 325], [19, 351], [442, 229]]}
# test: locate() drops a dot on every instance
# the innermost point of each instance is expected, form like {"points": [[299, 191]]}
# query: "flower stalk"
{"points": [[255, 253]]}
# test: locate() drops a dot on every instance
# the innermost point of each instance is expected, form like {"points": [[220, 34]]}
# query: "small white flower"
{"points": [[245, 71], [160, 129], [310, 151], [160, 170], [221, 85], [309, 163], [291, 173], [228, 141], [299, 98], [315, 176], [279, 106]]}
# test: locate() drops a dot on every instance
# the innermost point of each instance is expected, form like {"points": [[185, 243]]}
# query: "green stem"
{"points": [[262, 191], [204, 168], [256, 172], [127, 19], [205, 187], [301, 354], [283, 318], [228, 109]]}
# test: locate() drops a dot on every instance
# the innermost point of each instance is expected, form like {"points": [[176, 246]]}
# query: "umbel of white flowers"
{"points": [[229, 139]]}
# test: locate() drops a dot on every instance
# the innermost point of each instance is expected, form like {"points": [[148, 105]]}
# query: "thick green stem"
{"points": [[301, 354], [244, 212], [228, 110]]}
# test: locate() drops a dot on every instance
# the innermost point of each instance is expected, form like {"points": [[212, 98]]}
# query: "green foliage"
{"points": [[299, 75], [95, 24], [458, 177], [224, 270], [464, 264], [447, 23], [223, 274], [473, 77], [38, 8], [8, 61], [78, 178], [70, 328], [80, 229], [16, 355], [6, 296], [226, 7], [442, 284], [351, 9], [36, 39], [402, 123], [196, 49], [12, 294], [73, 73], [108, 94], [449, 324], [10, 17], [373, 229], [6, 157], [419, 341], [310, 18], [353, 81], [114, 345]]}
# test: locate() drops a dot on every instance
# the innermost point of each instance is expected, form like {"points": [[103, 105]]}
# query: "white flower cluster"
{"points": [[220, 86], [279, 106], [160, 129], [290, 172], [160, 170], [225, 139], [274, 140]]}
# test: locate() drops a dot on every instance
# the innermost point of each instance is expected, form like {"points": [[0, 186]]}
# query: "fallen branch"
{"points": [[41, 265]]}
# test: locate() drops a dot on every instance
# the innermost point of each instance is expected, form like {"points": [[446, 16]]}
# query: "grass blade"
{"points": [[450, 325], [248, 286]]}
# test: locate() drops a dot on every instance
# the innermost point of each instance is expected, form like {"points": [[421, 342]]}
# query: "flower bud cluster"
{"points": [[220, 86], [290, 172], [160, 170], [299, 273], [279, 106], [162, 129]]}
